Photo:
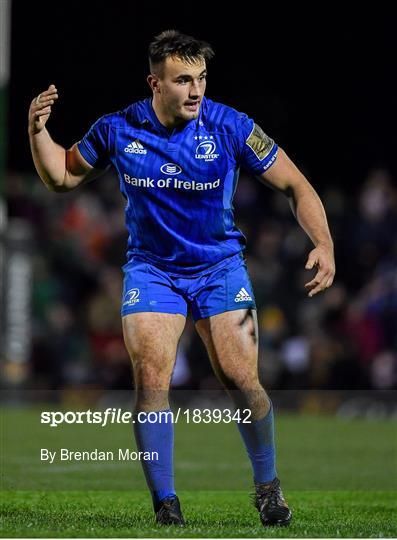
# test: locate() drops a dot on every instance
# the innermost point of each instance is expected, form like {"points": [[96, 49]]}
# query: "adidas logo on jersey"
{"points": [[242, 296], [135, 147]]}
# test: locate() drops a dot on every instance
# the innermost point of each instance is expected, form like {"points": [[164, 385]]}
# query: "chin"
{"points": [[190, 115]]}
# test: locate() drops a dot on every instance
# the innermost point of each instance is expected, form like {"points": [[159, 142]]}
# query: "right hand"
{"points": [[40, 109]]}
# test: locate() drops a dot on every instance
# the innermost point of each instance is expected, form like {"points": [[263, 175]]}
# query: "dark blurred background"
{"points": [[322, 84]]}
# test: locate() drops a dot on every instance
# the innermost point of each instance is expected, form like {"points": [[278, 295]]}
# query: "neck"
{"points": [[169, 121]]}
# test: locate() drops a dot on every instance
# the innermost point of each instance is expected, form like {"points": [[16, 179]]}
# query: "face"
{"points": [[179, 89]]}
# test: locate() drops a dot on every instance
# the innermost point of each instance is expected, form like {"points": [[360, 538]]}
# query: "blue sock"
{"points": [[157, 437], [258, 437]]}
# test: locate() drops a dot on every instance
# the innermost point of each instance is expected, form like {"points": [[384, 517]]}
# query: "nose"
{"points": [[194, 90]]}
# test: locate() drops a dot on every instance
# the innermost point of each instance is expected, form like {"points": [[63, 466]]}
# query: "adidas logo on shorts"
{"points": [[135, 147], [242, 296]]}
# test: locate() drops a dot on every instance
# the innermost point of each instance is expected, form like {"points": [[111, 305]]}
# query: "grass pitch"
{"points": [[207, 513], [339, 478]]}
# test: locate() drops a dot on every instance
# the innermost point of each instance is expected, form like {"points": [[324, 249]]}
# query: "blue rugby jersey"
{"points": [[179, 185]]}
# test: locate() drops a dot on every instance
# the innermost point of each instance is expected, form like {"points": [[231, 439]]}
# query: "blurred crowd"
{"points": [[343, 338]]}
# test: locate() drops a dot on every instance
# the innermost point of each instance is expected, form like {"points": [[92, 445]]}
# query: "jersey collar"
{"points": [[145, 114]]}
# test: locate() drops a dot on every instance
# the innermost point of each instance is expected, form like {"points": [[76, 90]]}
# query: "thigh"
{"points": [[152, 340], [154, 336], [231, 339], [146, 288]]}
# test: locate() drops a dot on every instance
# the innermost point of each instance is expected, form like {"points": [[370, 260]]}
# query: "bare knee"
{"points": [[152, 374], [151, 382]]}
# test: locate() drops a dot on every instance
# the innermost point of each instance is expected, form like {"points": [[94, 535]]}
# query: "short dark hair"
{"points": [[172, 43]]}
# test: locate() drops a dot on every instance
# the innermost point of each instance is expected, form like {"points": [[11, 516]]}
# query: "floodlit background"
{"points": [[322, 90]]}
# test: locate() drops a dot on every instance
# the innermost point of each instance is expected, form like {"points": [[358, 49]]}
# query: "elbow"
{"points": [[50, 186], [60, 188], [289, 192], [57, 187], [65, 185], [298, 188]]}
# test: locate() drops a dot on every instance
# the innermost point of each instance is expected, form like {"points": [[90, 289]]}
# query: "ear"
{"points": [[154, 83]]}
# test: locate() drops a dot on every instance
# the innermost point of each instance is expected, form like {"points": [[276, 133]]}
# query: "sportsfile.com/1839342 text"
{"points": [[118, 416]]}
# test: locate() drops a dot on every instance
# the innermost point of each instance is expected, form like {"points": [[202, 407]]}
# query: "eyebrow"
{"points": [[184, 75]]}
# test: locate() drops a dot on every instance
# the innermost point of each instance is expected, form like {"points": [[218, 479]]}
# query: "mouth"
{"points": [[192, 106]]}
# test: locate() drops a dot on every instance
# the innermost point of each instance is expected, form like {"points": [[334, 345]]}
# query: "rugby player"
{"points": [[178, 156]]}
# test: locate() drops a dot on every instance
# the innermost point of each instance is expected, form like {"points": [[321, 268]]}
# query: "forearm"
{"points": [[284, 176], [49, 159], [310, 213]]}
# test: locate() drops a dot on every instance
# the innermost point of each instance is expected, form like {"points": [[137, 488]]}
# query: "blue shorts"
{"points": [[224, 286]]}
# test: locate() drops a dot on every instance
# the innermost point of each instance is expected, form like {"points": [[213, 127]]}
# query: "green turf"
{"points": [[339, 477], [317, 452], [208, 514]]}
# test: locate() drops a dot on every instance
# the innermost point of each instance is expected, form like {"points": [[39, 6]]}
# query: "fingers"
{"points": [[40, 109], [51, 90], [313, 283], [42, 112], [322, 280], [312, 261], [44, 103], [322, 258], [319, 286], [48, 97]]}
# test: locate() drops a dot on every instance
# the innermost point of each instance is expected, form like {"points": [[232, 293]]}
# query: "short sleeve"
{"points": [[94, 145], [258, 151]]}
